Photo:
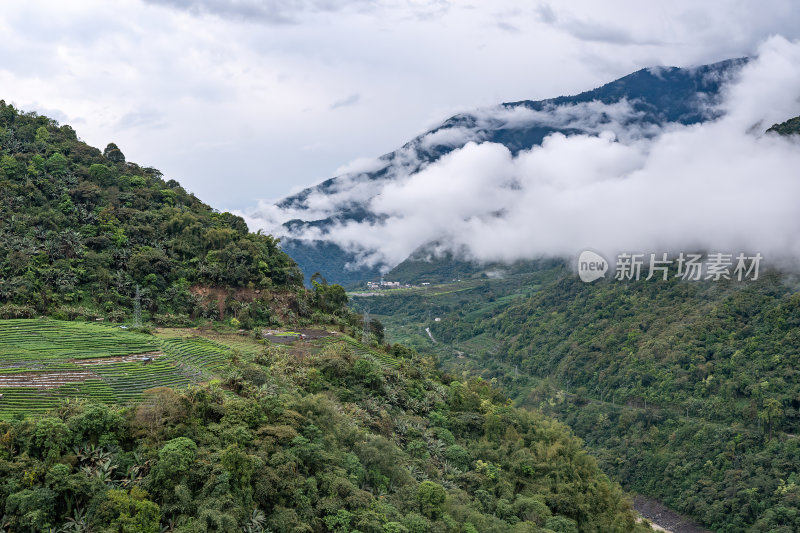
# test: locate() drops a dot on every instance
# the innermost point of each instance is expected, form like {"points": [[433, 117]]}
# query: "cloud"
{"points": [[266, 11], [360, 165], [507, 26], [457, 136], [722, 185], [722, 27], [257, 78], [143, 118], [587, 30], [347, 101], [357, 185]]}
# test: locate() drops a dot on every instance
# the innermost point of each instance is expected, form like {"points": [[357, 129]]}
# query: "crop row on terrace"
{"points": [[197, 355], [43, 362], [386, 360], [37, 340]]}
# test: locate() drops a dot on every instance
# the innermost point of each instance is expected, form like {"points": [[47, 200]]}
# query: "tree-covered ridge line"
{"points": [[685, 391], [657, 97], [790, 127], [314, 437], [81, 228]]}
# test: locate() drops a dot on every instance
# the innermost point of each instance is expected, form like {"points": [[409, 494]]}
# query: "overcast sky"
{"points": [[242, 100]]}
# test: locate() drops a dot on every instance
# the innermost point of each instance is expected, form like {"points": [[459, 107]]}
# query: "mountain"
{"points": [[636, 105], [325, 435], [686, 392], [84, 232], [790, 127], [215, 428]]}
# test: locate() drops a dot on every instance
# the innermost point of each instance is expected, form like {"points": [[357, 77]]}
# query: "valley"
{"points": [[167, 368], [627, 366]]}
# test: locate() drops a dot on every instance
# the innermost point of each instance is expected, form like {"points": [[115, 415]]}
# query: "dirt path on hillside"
{"points": [[44, 380], [281, 337], [117, 359]]}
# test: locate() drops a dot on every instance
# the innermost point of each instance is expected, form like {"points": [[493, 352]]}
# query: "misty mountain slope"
{"points": [[639, 105], [790, 127]]}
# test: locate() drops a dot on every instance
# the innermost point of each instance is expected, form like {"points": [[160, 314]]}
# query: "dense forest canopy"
{"points": [[687, 392], [311, 438], [80, 229], [325, 436]]}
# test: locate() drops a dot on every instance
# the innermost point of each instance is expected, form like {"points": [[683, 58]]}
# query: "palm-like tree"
{"points": [[255, 524], [71, 243], [77, 523], [97, 461], [136, 471]]}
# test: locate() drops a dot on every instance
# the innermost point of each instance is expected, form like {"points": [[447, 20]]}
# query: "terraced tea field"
{"points": [[43, 362], [385, 360]]}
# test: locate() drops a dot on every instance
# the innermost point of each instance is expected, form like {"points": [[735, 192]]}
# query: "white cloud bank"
{"points": [[236, 99], [721, 186]]}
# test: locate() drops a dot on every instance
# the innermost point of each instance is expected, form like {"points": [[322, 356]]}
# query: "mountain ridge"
{"points": [[88, 234], [641, 101]]}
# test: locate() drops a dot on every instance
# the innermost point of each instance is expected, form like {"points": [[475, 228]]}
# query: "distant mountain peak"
{"points": [[635, 106]]}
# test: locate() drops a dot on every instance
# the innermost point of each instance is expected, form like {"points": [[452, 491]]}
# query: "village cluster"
{"points": [[376, 285]]}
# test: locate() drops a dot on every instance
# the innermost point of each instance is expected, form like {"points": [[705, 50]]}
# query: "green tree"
{"points": [[113, 153], [174, 461], [57, 165], [771, 414], [561, 524], [128, 512], [430, 497], [31, 510], [42, 137], [377, 329], [100, 174], [8, 165], [50, 438]]}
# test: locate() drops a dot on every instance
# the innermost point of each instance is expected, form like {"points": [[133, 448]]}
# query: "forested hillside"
{"points": [[790, 127], [305, 435], [686, 391], [80, 229], [322, 436]]}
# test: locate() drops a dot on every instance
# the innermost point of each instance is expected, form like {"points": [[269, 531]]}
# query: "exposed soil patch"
{"points": [[45, 380], [312, 334], [132, 358], [283, 337], [665, 517], [222, 296], [280, 339]]}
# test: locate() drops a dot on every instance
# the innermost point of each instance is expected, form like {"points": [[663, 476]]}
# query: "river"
{"points": [[664, 519]]}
